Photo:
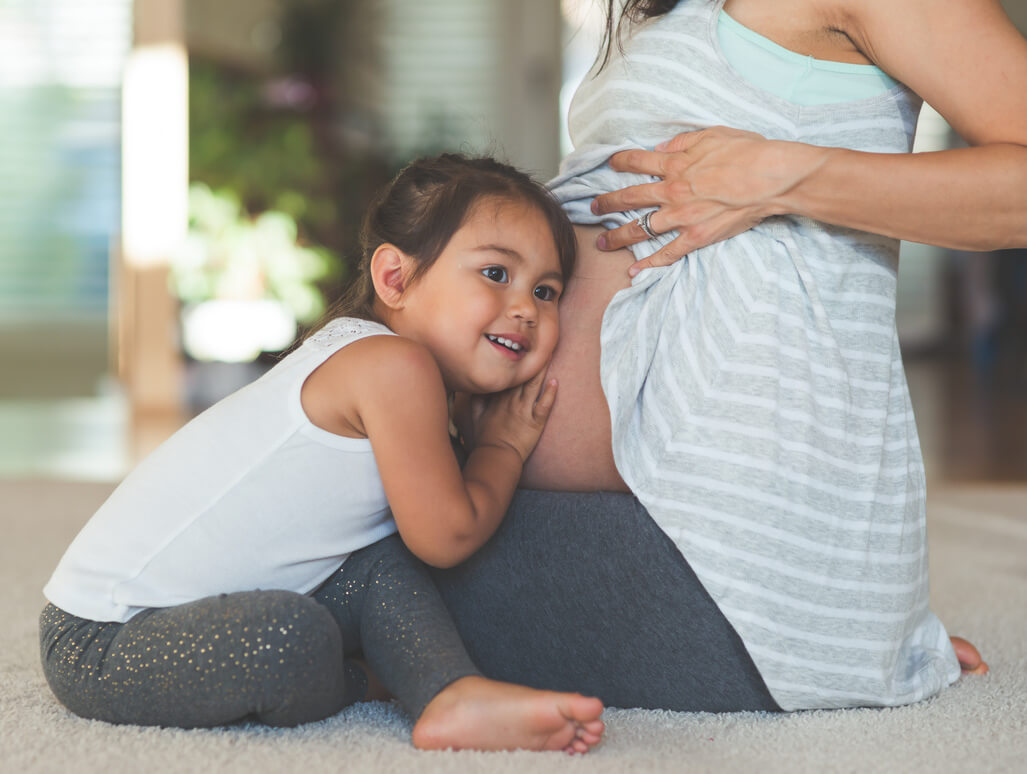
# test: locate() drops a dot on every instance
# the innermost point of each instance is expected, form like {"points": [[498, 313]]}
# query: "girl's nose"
{"points": [[523, 308]]}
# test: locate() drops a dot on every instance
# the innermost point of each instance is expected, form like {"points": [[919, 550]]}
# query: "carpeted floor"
{"points": [[979, 571]]}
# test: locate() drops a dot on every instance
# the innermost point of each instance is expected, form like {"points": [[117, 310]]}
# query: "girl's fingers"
{"points": [[532, 388], [478, 405], [545, 401]]}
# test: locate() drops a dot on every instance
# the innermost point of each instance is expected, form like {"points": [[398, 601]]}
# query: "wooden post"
{"points": [[154, 207]]}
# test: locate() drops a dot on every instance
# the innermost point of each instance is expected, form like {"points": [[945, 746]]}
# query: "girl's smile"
{"points": [[512, 345]]}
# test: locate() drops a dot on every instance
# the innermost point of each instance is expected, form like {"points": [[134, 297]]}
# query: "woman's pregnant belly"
{"points": [[574, 453]]}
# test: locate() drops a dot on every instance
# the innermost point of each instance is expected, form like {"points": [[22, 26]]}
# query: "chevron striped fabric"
{"points": [[760, 409]]}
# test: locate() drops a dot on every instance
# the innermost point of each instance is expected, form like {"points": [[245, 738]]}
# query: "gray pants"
{"points": [[275, 656], [584, 592]]}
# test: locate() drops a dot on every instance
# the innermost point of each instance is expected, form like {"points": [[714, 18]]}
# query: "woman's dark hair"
{"points": [[424, 206], [633, 11]]}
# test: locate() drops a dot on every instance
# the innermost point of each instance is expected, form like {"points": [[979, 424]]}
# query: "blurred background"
{"points": [[181, 183]]}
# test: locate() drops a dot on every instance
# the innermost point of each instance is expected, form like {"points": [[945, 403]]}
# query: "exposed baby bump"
{"points": [[574, 452]]}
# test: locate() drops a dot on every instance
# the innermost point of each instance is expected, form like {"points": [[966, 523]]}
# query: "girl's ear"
{"points": [[389, 274]]}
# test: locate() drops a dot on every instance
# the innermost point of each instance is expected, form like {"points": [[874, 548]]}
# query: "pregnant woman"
{"points": [[727, 508]]}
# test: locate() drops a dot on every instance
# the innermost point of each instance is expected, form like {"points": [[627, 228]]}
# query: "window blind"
{"points": [[60, 73]]}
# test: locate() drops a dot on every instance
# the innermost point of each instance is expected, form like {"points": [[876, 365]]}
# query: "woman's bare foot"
{"points": [[970, 660], [480, 714]]}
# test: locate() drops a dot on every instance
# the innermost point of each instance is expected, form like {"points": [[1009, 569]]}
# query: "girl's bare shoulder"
{"points": [[371, 371]]}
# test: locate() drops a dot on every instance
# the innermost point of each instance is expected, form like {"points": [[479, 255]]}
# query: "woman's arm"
{"points": [[968, 61], [395, 396], [964, 57]]}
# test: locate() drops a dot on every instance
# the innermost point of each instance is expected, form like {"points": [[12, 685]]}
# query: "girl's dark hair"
{"points": [[424, 206], [633, 11]]}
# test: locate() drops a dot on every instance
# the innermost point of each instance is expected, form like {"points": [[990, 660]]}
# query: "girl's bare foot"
{"points": [[970, 660], [480, 714]]}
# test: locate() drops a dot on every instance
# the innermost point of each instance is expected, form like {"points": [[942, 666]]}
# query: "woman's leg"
{"points": [[584, 592], [274, 655]]}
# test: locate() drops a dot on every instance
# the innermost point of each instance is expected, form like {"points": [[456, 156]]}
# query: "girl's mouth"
{"points": [[507, 346]]}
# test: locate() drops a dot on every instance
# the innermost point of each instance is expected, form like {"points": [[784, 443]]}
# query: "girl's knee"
{"points": [[284, 623], [296, 645]]}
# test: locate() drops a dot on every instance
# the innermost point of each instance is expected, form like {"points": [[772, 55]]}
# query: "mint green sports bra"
{"points": [[794, 77]]}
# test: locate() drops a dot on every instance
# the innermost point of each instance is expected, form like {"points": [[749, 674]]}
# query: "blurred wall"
{"points": [[420, 77], [477, 75]]}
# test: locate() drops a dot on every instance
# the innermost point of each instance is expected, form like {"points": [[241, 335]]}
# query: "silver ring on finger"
{"points": [[643, 223]]}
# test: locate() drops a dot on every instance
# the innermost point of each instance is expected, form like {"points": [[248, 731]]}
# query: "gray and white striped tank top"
{"points": [[759, 405]]}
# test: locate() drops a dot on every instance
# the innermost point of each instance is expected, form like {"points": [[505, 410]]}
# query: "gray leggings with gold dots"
{"points": [[274, 656]]}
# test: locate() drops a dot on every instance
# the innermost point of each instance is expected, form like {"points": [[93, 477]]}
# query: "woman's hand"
{"points": [[716, 183]]}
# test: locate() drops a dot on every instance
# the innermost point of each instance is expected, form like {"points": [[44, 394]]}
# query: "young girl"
{"points": [[239, 569]]}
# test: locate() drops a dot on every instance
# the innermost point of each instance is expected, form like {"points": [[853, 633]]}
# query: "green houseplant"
{"points": [[245, 282]]}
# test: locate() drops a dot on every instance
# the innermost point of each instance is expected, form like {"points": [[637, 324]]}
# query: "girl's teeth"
{"points": [[506, 343]]}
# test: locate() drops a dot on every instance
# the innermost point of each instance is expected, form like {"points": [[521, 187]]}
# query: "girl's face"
{"points": [[487, 307]]}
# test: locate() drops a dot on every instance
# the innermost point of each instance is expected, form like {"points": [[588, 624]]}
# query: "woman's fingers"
{"points": [[633, 197], [669, 156], [713, 183], [687, 140], [665, 256], [643, 162], [628, 234], [691, 238]]}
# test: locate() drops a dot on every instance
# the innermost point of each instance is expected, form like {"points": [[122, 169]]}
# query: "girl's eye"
{"points": [[546, 293], [496, 273]]}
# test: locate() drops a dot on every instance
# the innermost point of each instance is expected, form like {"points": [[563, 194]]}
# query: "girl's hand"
{"points": [[514, 418], [716, 183]]}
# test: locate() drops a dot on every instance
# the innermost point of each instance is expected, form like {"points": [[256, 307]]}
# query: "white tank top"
{"points": [[248, 495]]}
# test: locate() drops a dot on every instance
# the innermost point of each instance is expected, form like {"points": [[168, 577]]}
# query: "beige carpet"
{"points": [[979, 570]]}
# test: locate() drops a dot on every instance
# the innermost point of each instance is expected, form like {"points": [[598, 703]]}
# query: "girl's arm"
{"points": [[964, 57], [397, 399]]}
